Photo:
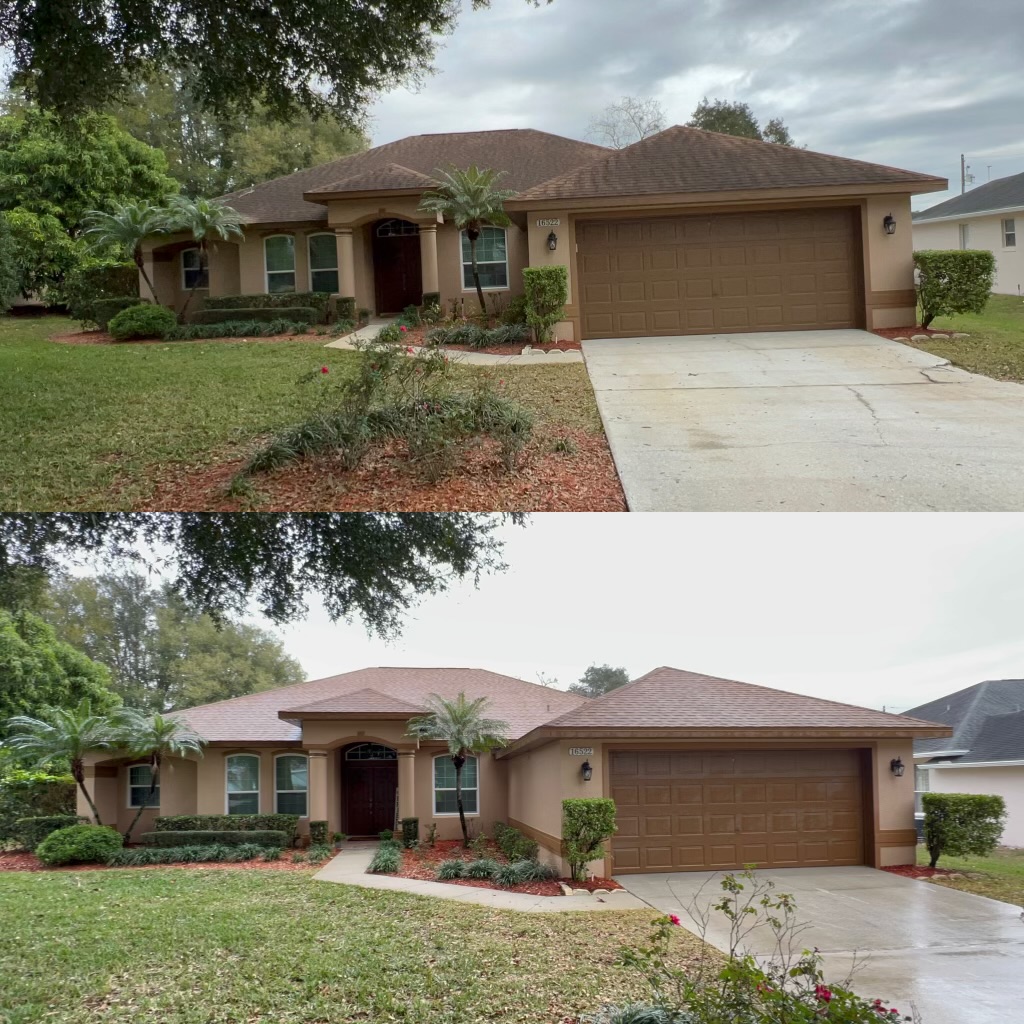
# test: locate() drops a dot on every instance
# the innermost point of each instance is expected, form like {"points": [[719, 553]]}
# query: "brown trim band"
{"points": [[892, 300], [897, 837], [545, 839]]}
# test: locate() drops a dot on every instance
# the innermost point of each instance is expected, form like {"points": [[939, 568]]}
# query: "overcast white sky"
{"points": [[883, 609], [911, 83]]}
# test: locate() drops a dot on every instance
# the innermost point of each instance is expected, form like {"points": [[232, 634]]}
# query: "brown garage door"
{"points": [[708, 810], [720, 273]]}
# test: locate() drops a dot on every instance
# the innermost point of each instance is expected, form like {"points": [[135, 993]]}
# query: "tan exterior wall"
{"points": [[225, 278], [252, 277], [895, 832], [889, 263], [1005, 782], [983, 233], [539, 255]]}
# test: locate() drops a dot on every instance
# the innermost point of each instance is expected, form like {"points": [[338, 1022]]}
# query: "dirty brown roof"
{"points": [[254, 718], [680, 160], [380, 179], [527, 157], [360, 702]]}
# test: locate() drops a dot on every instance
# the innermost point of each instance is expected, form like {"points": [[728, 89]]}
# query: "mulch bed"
{"points": [[418, 336], [30, 862], [103, 338], [915, 871], [385, 481]]}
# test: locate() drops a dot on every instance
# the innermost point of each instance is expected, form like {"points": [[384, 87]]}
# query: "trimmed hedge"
{"points": [[297, 314], [410, 831], [319, 302], [586, 825], [318, 833], [236, 329], [203, 837], [287, 823], [345, 308], [953, 281], [142, 320], [102, 311], [79, 844], [962, 824], [547, 291], [32, 831], [144, 855]]}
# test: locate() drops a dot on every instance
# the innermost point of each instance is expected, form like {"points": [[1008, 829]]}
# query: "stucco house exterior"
{"points": [[985, 753], [706, 773], [988, 217], [686, 232]]}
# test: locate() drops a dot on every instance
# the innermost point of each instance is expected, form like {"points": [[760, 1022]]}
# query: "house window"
{"points": [[370, 752], [396, 228], [922, 784], [140, 778], [291, 772], [323, 264], [194, 274], [491, 259], [243, 784], [965, 236], [1009, 233], [444, 786], [279, 252]]}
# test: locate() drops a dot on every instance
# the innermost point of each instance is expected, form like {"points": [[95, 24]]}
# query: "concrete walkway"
{"points": [[349, 868], [956, 957]]}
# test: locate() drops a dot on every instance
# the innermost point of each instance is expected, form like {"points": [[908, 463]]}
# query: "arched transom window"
{"points": [[370, 752]]}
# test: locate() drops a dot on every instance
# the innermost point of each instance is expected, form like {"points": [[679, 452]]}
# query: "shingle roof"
{"points": [[668, 698], [983, 717], [358, 702], [526, 156], [1001, 194], [254, 718], [691, 160], [379, 179]]}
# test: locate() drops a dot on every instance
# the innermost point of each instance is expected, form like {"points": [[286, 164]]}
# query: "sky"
{"points": [[910, 83], [881, 610]]}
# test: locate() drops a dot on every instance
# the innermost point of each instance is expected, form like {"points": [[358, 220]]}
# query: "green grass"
{"points": [[995, 347], [267, 947], [1000, 876]]}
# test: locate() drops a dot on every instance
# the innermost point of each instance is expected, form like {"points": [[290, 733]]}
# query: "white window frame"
{"points": [[921, 774], [1009, 231], [293, 271], [259, 784], [964, 236], [471, 289], [322, 270], [128, 795], [181, 262], [434, 790], [278, 792]]}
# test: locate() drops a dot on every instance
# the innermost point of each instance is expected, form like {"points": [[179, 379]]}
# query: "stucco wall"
{"points": [[1005, 782], [983, 233], [894, 804], [564, 255]]}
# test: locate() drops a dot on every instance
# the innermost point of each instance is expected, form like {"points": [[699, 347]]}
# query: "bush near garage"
{"points": [[197, 837], [79, 844], [142, 321], [586, 826], [953, 281], [962, 824], [547, 291]]}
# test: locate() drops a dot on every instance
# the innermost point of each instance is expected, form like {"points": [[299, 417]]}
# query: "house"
{"points": [[987, 217], [685, 232], [985, 753], [705, 772]]}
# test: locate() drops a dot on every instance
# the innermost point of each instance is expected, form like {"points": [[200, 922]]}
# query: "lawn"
{"points": [[95, 427], [262, 947], [996, 343], [1000, 876]]}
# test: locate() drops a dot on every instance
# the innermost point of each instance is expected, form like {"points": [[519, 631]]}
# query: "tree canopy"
{"points": [[738, 119], [627, 121], [371, 564], [599, 680]]}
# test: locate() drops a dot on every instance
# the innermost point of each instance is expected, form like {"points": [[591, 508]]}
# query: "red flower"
{"points": [[408, 349], [893, 1009], [403, 328], [674, 918], [822, 993], [323, 369]]}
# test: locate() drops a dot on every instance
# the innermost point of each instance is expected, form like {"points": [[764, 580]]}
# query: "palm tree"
{"points": [[62, 733], [461, 724], [125, 227], [470, 200], [154, 737], [206, 219]]}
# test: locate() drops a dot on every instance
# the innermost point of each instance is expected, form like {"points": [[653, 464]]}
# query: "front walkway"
{"points": [[349, 868]]}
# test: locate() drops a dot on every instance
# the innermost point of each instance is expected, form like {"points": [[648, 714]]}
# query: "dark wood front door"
{"points": [[369, 789], [397, 274]]}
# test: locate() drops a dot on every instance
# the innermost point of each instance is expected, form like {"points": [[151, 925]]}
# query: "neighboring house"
{"points": [[985, 753], [706, 773], [991, 217], [686, 232]]}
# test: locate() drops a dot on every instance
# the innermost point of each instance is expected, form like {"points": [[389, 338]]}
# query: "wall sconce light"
{"points": [[889, 223], [897, 767], [586, 771], [552, 241]]}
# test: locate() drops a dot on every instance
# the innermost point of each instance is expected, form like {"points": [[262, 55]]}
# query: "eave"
{"points": [[380, 193], [371, 716]]}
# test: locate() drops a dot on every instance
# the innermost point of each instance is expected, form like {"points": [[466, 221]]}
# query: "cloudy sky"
{"points": [[882, 610], [912, 83]]}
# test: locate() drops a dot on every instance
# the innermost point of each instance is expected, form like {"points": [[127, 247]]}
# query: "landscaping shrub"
{"points": [[102, 311], [97, 281], [304, 315], [142, 321], [30, 832], [431, 299], [318, 853], [485, 867], [478, 337], [146, 855], [318, 833], [319, 302], [345, 308], [547, 291], [79, 844], [287, 823], [410, 831], [508, 875], [222, 837], [533, 871], [962, 824], [480, 845], [236, 329], [386, 835], [515, 313], [513, 844], [586, 825], [953, 281], [449, 869], [386, 860], [271, 853], [410, 316], [31, 794]]}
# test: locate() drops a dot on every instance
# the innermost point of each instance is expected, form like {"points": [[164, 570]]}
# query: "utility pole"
{"points": [[966, 178]]}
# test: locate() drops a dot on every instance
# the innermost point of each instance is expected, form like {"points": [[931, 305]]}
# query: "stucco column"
{"points": [[318, 785], [346, 263], [147, 263], [406, 784], [428, 258]]}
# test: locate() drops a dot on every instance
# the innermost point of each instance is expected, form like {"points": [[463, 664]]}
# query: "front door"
{"points": [[369, 789], [397, 274]]}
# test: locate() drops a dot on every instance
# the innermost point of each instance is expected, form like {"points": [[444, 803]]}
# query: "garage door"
{"points": [[694, 810], [719, 273]]}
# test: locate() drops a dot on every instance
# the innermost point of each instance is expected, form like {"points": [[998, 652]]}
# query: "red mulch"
{"points": [[385, 481], [103, 338], [906, 332], [418, 336], [915, 871], [30, 862]]}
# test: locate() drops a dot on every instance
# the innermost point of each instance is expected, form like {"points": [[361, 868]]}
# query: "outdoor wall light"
{"points": [[889, 223], [586, 771], [552, 241], [897, 767]]}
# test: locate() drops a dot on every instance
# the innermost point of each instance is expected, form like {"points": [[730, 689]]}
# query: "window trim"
{"points": [[322, 270], [181, 263], [433, 789], [259, 783], [295, 263], [278, 792], [130, 787], [964, 236], [471, 289], [1013, 231]]}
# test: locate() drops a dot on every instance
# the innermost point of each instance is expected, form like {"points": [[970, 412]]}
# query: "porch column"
{"points": [[318, 785], [428, 257], [147, 262], [346, 263], [406, 784]]}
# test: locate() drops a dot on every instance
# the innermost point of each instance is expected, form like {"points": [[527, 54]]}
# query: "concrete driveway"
{"points": [[957, 958], [805, 421]]}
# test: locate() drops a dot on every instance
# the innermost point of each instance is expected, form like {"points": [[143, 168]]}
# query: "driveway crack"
{"points": [[871, 409]]}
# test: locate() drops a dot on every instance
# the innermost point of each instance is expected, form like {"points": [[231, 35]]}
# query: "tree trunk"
{"points": [[933, 856], [78, 773], [473, 235], [141, 264], [154, 781], [458, 760]]}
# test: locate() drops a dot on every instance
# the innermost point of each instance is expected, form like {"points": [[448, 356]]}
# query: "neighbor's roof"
{"points": [[526, 156], [254, 718], [1001, 194], [987, 721], [682, 159]]}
